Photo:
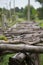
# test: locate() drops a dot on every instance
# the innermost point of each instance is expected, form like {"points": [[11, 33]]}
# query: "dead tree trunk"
{"points": [[22, 48], [18, 59], [24, 59]]}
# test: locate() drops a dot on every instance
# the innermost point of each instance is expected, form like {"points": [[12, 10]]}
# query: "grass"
{"points": [[41, 55], [2, 37], [6, 59], [40, 23], [41, 59], [11, 23]]}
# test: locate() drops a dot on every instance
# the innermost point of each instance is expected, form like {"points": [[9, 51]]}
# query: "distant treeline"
{"points": [[22, 13]]}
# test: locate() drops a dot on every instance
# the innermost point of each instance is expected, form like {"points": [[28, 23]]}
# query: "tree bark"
{"points": [[17, 59], [22, 48], [20, 42]]}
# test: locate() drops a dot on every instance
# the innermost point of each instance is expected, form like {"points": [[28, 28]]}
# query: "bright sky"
{"points": [[19, 3]]}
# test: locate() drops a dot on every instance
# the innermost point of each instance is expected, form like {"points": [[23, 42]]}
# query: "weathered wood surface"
{"points": [[22, 48], [27, 32], [24, 58], [28, 38], [17, 59], [20, 42], [30, 42]]}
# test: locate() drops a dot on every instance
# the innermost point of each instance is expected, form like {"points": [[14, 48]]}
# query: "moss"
{"points": [[2, 37]]}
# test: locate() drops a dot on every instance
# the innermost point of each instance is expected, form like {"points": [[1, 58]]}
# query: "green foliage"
{"points": [[41, 59], [2, 37], [13, 17], [20, 15], [0, 14], [40, 10], [20, 20], [17, 9], [6, 59], [32, 12], [25, 12], [22, 9], [40, 13], [40, 22], [40, 1], [19, 12]]}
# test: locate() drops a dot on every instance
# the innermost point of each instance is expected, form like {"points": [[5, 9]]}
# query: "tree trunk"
{"points": [[32, 59], [42, 4], [24, 59], [28, 10], [22, 48], [17, 59]]}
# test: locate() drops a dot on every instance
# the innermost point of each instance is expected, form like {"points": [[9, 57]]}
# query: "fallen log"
{"points": [[22, 48], [22, 41], [39, 44], [22, 32], [17, 59], [24, 58], [11, 42]]}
